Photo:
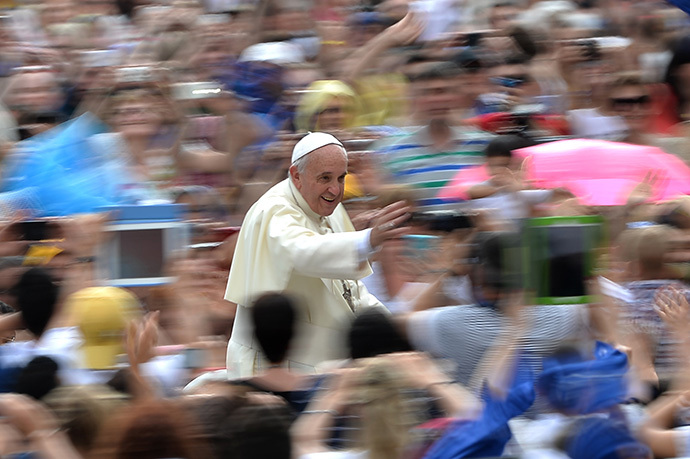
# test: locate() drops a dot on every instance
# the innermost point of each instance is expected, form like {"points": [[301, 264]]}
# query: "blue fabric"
{"points": [[605, 438], [261, 83], [682, 4], [577, 386], [488, 435], [64, 173]]}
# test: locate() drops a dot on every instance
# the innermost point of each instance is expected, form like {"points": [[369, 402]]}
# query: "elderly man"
{"points": [[298, 239]]}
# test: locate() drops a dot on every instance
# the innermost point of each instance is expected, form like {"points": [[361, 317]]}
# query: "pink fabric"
{"points": [[463, 181], [599, 172]]}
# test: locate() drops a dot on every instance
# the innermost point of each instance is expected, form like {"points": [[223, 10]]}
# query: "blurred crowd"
{"points": [[443, 104]]}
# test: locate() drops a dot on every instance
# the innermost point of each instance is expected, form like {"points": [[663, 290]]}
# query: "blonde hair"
{"points": [[386, 420], [653, 244], [316, 99], [82, 410]]}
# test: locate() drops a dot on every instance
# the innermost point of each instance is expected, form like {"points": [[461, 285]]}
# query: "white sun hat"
{"points": [[277, 52], [311, 142]]}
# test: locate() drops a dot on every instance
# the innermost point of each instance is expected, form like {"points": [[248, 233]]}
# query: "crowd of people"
{"points": [[412, 229]]}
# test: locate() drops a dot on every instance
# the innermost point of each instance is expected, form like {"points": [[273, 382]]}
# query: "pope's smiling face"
{"points": [[322, 180]]}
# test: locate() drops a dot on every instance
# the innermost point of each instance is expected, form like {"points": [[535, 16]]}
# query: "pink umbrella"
{"points": [[599, 172]]}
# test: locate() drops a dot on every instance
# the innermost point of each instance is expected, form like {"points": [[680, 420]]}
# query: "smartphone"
{"points": [[445, 221], [420, 246], [197, 90]]}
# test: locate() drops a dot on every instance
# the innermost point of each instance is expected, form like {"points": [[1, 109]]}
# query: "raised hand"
{"points": [[652, 182], [404, 32], [387, 225], [672, 306]]}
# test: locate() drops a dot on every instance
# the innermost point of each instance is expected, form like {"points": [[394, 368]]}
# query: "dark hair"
{"points": [[258, 431], [681, 56], [491, 251], [38, 377], [212, 413], [274, 315], [524, 41], [153, 429], [503, 145], [372, 333], [37, 295], [437, 71]]}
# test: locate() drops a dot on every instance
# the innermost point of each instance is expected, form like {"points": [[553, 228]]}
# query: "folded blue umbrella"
{"points": [[575, 385], [488, 435]]}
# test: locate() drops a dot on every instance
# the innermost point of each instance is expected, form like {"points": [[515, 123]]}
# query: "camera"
{"points": [[444, 221]]}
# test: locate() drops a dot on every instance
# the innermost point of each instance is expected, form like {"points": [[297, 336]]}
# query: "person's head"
{"points": [[258, 431], [653, 245], [213, 411], [327, 105], [514, 72], [38, 377], [372, 333], [133, 113], [150, 429], [274, 315], [319, 166], [82, 410], [473, 79], [35, 90], [386, 419], [489, 273], [37, 296], [102, 315], [629, 98], [499, 152], [503, 14], [678, 74], [435, 91]]}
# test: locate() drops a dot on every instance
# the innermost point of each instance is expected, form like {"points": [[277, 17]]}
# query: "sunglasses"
{"points": [[623, 103]]}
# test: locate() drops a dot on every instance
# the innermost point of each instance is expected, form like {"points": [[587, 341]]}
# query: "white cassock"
{"points": [[284, 246]]}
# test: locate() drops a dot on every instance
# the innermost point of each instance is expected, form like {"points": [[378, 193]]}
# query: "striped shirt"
{"points": [[411, 159], [463, 334], [639, 315]]}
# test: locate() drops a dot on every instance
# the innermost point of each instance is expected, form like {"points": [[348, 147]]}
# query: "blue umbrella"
{"points": [[64, 171]]}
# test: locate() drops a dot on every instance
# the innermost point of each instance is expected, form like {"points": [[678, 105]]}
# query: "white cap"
{"points": [[311, 142], [277, 52]]}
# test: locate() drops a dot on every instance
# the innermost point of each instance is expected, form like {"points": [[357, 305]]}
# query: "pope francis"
{"points": [[298, 239]]}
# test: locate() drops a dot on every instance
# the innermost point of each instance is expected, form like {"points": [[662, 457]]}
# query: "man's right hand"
{"points": [[387, 225]]}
